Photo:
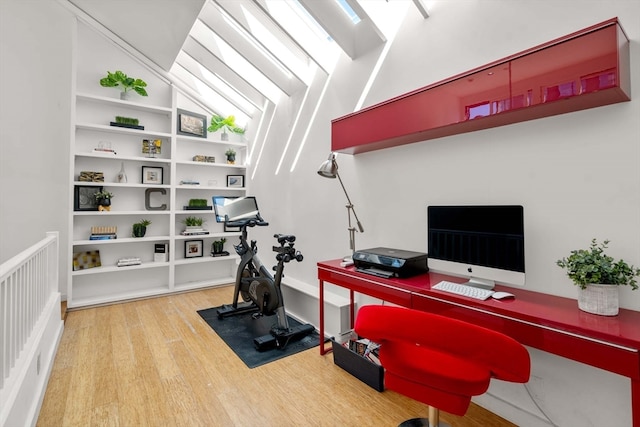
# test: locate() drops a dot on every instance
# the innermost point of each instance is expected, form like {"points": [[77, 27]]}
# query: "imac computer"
{"points": [[235, 208], [482, 243]]}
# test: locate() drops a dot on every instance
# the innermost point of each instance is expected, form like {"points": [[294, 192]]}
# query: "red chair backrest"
{"points": [[504, 357]]}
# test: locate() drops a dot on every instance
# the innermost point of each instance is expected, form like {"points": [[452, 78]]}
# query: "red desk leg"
{"points": [[323, 350], [635, 403], [352, 310]]}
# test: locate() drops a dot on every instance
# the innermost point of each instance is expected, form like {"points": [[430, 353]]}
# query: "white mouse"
{"points": [[502, 295]]}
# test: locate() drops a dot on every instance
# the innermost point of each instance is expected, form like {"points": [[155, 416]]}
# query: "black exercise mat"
{"points": [[239, 331]]}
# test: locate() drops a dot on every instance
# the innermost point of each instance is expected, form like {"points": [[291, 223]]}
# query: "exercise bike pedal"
{"points": [[228, 310]]}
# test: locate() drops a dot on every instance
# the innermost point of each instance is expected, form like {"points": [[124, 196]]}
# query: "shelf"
{"points": [[124, 131], [119, 213], [200, 236], [85, 302], [211, 141], [121, 240], [206, 187], [120, 184], [205, 283], [586, 69], [127, 104], [206, 258], [122, 158], [215, 165], [112, 269]]}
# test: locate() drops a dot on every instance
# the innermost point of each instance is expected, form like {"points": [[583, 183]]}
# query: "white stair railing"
{"points": [[28, 285]]}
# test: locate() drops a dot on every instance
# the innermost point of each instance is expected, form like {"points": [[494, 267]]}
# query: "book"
{"points": [[194, 232], [103, 237]]}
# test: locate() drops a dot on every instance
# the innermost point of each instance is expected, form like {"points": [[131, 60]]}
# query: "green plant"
{"points": [[193, 221], [218, 246], [143, 223], [230, 152], [126, 83], [229, 123], [127, 120], [593, 266], [140, 228], [101, 195], [197, 202]]}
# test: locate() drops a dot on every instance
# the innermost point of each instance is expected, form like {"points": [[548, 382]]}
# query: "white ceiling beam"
{"points": [[213, 18], [211, 62], [422, 8]]}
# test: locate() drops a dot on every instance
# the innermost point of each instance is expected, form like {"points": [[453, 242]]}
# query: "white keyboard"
{"points": [[464, 290]]}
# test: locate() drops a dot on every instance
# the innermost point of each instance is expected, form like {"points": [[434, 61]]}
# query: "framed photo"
{"points": [[235, 181], [151, 175], [192, 124], [85, 260], [193, 248], [83, 199]]}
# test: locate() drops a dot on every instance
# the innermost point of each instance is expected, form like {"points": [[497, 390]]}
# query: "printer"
{"points": [[387, 262]]}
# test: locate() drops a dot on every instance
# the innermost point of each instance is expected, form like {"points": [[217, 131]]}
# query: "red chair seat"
{"points": [[437, 360]]}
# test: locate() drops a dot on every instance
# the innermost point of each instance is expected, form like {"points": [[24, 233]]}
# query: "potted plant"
{"points": [[226, 124], [193, 222], [597, 276], [217, 247], [231, 156], [125, 83], [198, 204], [140, 228], [103, 199]]}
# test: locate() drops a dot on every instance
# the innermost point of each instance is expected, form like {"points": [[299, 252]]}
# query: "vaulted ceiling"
{"points": [[241, 56]]}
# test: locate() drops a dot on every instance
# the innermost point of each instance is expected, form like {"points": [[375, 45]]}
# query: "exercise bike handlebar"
{"points": [[248, 222]]}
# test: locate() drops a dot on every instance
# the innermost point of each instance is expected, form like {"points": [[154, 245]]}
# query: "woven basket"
{"points": [[599, 299]]}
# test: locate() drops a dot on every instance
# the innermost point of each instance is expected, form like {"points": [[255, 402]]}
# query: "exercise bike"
{"points": [[259, 289]]}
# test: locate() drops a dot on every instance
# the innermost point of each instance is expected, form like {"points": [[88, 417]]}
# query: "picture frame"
{"points": [[193, 248], [152, 175], [235, 181], [192, 124], [83, 199]]}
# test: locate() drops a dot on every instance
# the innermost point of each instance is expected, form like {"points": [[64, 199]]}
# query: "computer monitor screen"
{"points": [[483, 243], [235, 208]]}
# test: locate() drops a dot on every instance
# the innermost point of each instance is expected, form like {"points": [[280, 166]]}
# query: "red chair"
{"points": [[437, 360]]}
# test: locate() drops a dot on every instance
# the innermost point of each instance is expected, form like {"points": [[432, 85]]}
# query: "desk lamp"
{"points": [[329, 169]]}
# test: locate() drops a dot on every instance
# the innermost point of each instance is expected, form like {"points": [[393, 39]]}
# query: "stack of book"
{"points": [[103, 233], [124, 262], [194, 231]]}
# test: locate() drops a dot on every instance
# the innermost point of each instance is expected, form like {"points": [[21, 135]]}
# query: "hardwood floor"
{"points": [[155, 362]]}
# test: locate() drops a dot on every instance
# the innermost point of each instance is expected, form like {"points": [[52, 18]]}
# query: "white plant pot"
{"points": [[599, 299]]}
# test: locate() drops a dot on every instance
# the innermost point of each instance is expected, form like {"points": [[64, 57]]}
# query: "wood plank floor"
{"points": [[155, 362]]}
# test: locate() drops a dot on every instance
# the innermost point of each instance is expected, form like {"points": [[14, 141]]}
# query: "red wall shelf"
{"points": [[586, 69]]}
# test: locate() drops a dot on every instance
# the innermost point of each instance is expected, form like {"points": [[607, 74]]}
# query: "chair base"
{"points": [[422, 422]]}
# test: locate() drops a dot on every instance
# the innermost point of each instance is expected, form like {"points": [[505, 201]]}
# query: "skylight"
{"points": [[348, 10]]}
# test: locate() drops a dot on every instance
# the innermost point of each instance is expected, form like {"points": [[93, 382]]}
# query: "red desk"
{"points": [[546, 322]]}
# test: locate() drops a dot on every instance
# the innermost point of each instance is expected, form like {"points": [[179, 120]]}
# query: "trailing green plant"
{"points": [[125, 83], [593, 266], [101, 195], [193, 221], [197, 202], [127, 120], [228, 123]]}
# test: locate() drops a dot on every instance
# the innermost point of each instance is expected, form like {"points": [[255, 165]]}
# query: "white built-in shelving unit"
{"points": [[94, 108]]}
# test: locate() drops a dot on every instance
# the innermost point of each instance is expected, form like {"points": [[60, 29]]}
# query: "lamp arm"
{"points": [[350, 205]]}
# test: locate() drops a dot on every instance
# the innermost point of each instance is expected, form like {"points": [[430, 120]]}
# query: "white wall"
{"points": [[576, 174], [35, 77]]}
